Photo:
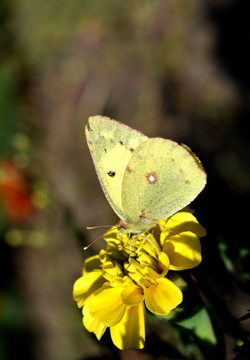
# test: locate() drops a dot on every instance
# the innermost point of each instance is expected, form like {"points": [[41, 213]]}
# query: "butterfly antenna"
{"points": [[99, 226], [92, 242], [99, 237]]}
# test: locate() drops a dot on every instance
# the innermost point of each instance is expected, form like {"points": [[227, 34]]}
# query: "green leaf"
{"points": [[200, 324], [223, 251]]}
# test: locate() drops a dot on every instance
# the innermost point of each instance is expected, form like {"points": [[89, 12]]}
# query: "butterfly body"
{"points": [[144, 179]]}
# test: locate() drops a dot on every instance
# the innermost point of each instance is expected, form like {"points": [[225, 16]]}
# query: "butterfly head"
{"points": [[143, 225]]}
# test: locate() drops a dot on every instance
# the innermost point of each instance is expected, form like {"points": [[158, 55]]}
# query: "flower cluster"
{"points": [[133, 272]]}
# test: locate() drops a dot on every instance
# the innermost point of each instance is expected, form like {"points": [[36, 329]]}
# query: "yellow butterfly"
{"points": [[144, 179]]}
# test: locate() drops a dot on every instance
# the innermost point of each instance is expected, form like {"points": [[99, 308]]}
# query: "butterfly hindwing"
{"points": [[164, 176]]}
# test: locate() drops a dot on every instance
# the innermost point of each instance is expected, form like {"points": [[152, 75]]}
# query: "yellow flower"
{"points": [[132, 273]]}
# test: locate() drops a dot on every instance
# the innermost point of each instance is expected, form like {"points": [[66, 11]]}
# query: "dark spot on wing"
{"points": [[172, 159], [131, 149], [151, 177], [142, 214], [187, 182], [111, 173], [121, 142], [105, 150], [88, 127], [128, 169]]}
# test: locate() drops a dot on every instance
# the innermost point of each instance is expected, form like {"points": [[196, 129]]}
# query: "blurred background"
{"points": [[174, 69]]}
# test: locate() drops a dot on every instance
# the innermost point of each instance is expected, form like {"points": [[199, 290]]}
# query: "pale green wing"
{"points": [[111, 145], [161, 178]]}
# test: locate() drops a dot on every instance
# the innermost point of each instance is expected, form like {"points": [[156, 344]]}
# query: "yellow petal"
{"points": [[130, 332], [107, 306], [111, 269], [86, 285], [93, 324], [91, 264], [180, 222], [132, 294], [162, 266], [184, 251], [148, 244], [136, 273], [113, 235], [163, 297]]}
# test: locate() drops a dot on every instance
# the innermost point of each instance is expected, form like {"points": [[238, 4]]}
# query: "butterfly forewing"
{"points": [[111, 145]]}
